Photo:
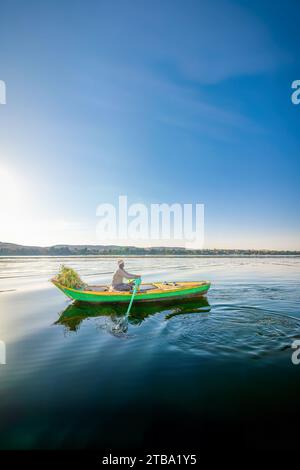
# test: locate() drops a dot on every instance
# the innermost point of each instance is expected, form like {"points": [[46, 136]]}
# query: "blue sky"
{"points": [[164, 101]]}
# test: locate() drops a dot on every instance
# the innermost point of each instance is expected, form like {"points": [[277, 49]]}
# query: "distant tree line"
{"points": [[10, 249]]}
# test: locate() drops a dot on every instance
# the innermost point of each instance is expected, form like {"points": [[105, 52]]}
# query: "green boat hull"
{"points": [[160, 294]]}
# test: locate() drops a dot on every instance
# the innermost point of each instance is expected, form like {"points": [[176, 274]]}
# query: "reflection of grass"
{"points": [[75, 313]]}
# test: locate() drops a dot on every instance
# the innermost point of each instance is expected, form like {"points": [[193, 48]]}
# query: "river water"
{"points": [[217, 369]]}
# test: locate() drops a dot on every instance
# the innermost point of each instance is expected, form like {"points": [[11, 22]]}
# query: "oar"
{"points": [[124, 321], [137, 283]]}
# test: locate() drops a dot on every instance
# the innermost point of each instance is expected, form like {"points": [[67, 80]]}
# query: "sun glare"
{"points": [[12, 205], [9, 191]]}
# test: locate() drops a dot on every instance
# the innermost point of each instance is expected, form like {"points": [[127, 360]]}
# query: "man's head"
{"points": [[121, 263]]}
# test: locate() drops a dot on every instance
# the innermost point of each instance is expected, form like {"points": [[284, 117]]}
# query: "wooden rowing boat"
{"points": [[157, 291]]}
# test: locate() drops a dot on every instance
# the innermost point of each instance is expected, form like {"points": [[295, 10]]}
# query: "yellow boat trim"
{"points": [[160, 289]]}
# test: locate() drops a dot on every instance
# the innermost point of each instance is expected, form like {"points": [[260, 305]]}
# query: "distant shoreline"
{"points": [[112, 251], [151, 256]]}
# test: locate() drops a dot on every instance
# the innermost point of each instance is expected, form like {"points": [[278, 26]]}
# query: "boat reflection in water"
{"points": [[72, 317]]}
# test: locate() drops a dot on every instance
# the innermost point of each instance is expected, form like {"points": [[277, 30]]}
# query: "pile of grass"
{"points": [[68, 277]]}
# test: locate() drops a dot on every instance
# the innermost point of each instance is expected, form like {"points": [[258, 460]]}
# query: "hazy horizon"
{"points": [[146, 247]]}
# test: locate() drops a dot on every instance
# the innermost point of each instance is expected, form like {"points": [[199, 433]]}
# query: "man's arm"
{"points": [[129, 275]]}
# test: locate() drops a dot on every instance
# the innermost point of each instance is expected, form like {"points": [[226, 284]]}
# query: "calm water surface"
{"points": [[181, 374]]}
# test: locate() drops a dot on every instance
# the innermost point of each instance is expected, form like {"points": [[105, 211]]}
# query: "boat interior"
{"points": [[142, 288]]}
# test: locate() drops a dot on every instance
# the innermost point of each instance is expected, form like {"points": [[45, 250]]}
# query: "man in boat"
{"points": [[119, 275]]}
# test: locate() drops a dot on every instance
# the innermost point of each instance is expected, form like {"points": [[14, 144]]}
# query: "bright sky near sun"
{"points": [[163, 101]]}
